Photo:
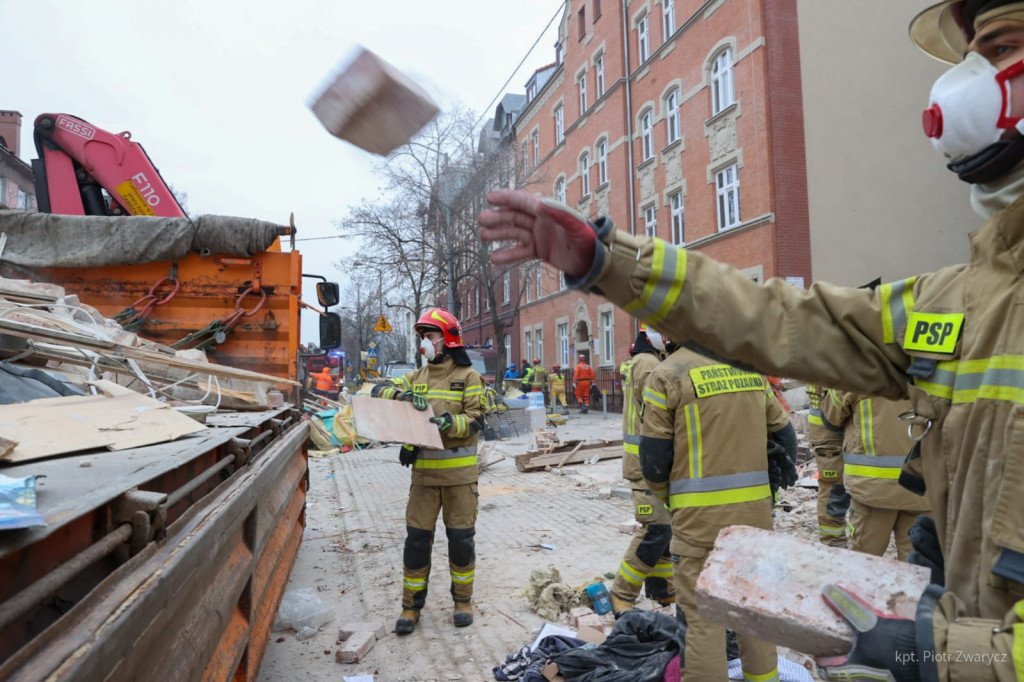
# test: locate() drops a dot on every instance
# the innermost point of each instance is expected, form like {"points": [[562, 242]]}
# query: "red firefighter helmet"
{"points": [[536, 361], [439, 318], [583, 358], [557, 368]]}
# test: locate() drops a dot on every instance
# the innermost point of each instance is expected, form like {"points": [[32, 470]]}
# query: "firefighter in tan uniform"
{"points": [[556, 388], [875, 444], [827, 445], [952, 341], [442, 480], [703, 453], [647, 562]]}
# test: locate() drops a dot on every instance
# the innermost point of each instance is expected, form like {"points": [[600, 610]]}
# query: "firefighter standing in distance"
{"points": [[647, 562], [583, 377], [702, 451], [874, 445], [535, 379], [556, 388], [952, 341], [833, 500], [442, 480]]}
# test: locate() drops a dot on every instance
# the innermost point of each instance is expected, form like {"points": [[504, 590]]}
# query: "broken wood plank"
{"points": [[54, 426], [395, 421], [768, 585], [535, 461], [569, 454], [492, 462]]}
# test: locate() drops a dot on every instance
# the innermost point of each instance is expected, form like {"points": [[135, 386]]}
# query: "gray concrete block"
{"points": [[768, 585], [355, 647], [375, 626]]}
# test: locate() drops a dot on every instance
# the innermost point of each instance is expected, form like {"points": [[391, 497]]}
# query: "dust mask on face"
{"points": [[969, 108], [427, 349], [656, 339]]}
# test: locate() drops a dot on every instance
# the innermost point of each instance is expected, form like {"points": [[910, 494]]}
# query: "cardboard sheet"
{"points": [[395, 421]]}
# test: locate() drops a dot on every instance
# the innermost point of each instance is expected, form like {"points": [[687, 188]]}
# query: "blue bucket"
{"points": [[599, 598]]}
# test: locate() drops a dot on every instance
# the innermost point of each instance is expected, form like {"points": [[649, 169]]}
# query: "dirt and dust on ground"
{"points": [[351, 555]]}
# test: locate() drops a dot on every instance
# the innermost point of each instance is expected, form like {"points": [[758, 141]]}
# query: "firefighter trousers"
{"points": [[558, 397], [583, 393], [705, 642], [833, 501], [459, 506], [647, 562], [870, 529]]}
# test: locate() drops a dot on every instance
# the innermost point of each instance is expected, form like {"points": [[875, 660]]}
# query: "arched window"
{"points": [[560, 190], [672, 116], [585, 174], [647, 134], [723, 92], [602, 162]]}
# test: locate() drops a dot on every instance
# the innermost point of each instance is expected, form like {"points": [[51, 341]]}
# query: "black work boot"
{"points": [[406, 622]]}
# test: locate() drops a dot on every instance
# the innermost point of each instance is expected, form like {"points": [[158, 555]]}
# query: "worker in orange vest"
{"points": [[583, 377], [324, 382]]}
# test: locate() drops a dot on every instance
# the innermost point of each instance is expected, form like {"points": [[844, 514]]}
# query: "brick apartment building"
{"points": [[17, 187], [768, 134]]}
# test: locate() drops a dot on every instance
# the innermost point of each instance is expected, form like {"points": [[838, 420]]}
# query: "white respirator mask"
{"points": [[427, 349], [969, 108], [656, 339]]}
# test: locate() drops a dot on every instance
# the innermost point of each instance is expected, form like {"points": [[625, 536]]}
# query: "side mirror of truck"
{"points": [[327, 293], [330, 330]]}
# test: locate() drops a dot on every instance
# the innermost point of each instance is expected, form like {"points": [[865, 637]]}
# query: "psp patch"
{"points": [[933, 332], [419, 388], [644, 510]]}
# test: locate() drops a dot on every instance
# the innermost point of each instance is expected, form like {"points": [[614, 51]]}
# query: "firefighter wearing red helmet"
{"points": [[535, 379], [952, 341], [443, 481]]}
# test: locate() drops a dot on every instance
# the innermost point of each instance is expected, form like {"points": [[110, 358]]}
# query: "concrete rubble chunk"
{"points": [[375, 626], [628, 527], [355, 647], [768, 585], [373, 106], [577, 613]]}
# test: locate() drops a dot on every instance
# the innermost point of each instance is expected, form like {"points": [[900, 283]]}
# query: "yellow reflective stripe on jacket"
{"points": [[719, 490], [402, 383], [814, 416], [415, 584], [474, 390], [668, 272], [630, 575], [872, 466], [655, 399], [437, 394], [446, 459], [1000, 377], [462, 577], [694, 441], [867, 427], [897, 302]]}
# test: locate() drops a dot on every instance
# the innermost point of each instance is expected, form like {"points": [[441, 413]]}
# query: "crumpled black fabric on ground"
{"points": [[639, 648], [525, 665]]}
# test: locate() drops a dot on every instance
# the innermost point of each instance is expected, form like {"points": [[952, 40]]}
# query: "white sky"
{"points": [[218, 91]]}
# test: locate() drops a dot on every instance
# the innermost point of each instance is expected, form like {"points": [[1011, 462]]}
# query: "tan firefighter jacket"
{"points": [[457, 390], [875, 445], [634, 374], [556, 383], [710, 421], [952, 341]]}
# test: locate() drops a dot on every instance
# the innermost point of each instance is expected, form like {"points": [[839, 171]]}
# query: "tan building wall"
{"points": [[882, 203]]}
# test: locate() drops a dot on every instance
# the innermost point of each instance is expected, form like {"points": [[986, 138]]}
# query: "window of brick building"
{"points": [[602, 162], [538, 278], [672, 116], [582, 82], [581, 20], [727, 186], [678, 224], [599, 75], [536, 149], [506, 287], [643, 40], [559, 124], [597, 9], [585, 175], [563, 344], [651, 221], [647, 135], [607, 338], [560, 190], [668, 15], [723, 93]]}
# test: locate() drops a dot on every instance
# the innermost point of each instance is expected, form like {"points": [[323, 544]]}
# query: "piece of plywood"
{"points": [[768, 585], [395, 421], [54, 426]]}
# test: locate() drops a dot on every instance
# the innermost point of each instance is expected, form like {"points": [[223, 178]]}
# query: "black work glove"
{"points": [[444, 422], [408, 454], [885, 646], [781, 470], [927, 552], [418, 401]]}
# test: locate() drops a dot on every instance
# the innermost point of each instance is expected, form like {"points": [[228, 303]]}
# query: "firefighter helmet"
{"points": [[439, 318], [583, 358], [946, 28], [557, 368], [536, 361]]}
